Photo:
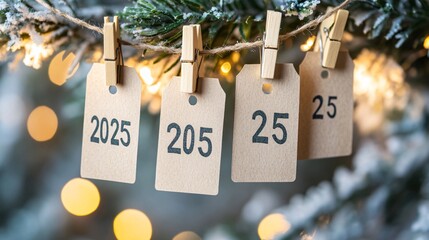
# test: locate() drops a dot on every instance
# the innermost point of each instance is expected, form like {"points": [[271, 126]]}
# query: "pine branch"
{"points": [[402, 22], [160, 21]]}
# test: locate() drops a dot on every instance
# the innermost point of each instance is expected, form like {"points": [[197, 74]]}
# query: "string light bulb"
{"points": [[235, 56], [35, 54], [308, 44], [132, 224], [80, 197], [426, 42], [379, 88], [187, 235], [42, 124], [273, 226], [146, 75], [226, 67]]}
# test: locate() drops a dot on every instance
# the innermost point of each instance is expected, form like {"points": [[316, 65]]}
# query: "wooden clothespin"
{"points": [[192, 43], [271, 44], [329, 37], [111, 50]]}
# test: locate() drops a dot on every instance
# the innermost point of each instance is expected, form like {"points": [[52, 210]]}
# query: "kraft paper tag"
{"points": [[111, 126], [190, 138], [326, 110], [266, 115]]}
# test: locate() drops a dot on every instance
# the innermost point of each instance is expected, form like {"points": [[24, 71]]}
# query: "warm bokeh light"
{"points": [[154, 88], [187, 235], [35, 54], [155, 78], [42, 123], [146, 75], [272, 226], [155, 105], [426, 42], [59, 68], [80, 197], [132, 224], [308, 44], [379, 88], [347, 37], [226, 67], [97, 56], [306, 236], [235, 56]]}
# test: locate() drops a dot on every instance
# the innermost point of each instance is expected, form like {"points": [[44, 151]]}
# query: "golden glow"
{"points": [[305, 236], [272, 226], [226, 67], [377, 79], [347, 37], [155, 105], [97, 56], [378, 88], [80, 197], [187, 235], [154, 88], [235, 56], [59, 68], [42, 123], [35, 54], [146, 75], [426, 42], [308, 44], [132, 224]]}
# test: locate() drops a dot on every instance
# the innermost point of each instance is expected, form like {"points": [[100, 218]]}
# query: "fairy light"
{"points": [[426, 42], [272, 226], [153, 89], [155, 105], [35, 54], [132, 224], [187, 235], [80, 197], [378, 79], [146, 75], [235, 56], [59, 67], [378, 88], [306, 236], [308, 44], [226, 67], [96, 56], [42, 124], [347, 37]]}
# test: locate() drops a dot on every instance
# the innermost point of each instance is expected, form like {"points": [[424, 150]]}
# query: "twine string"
{"points": [[223, 49]]}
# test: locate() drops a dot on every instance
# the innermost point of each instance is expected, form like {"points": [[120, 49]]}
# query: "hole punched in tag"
{"points": [[192, 100], [324, 74], [113, 90]]}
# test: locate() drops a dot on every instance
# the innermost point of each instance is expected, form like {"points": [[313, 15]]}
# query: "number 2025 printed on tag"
{"points": [[190, 138], [265, 137], [111, 126]]}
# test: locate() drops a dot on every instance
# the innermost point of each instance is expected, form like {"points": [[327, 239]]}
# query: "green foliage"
{"points": [[160, 21], [403, 22]]}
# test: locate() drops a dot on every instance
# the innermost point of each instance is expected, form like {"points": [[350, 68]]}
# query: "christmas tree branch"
{"points": [[173, 50]]}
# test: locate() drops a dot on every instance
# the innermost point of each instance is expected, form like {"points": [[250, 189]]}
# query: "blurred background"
{"points": [[381, 191]]}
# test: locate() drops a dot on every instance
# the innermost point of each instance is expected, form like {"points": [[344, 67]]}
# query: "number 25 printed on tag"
{"points": [[190, 138], [111, 126], [265, 125], [326, 111]]}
